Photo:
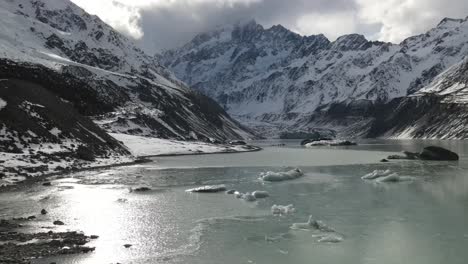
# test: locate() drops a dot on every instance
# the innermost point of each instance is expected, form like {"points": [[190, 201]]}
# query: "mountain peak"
{"points": [[451, 21], [351, 42], [246, 31]]}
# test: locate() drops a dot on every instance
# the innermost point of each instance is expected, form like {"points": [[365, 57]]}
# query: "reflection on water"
{"points": [[422, 221]]}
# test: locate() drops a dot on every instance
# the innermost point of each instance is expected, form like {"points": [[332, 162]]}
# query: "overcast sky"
{"points": [[163, 24]]}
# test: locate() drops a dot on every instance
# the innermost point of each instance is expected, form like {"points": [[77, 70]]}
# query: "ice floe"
{"points": [[208, 189], [249, 197], [330, 143], [231, 191], [312, 224], [282, 209], [386, 176], [376, 174], [272, 176], [333, 238]]}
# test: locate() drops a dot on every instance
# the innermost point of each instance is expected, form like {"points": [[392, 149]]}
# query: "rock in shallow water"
{"points": [[260, 194], [438, 153], [140, 189], [428, 153], [58, 222]]}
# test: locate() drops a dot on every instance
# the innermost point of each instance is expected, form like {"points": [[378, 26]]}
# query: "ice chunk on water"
{"points": [[272, 176], [334, 238], [231, 191], [376, 174], [245, 196], [249, 197], [208, 189], [312, 224], [385, 176], [282, 209]]}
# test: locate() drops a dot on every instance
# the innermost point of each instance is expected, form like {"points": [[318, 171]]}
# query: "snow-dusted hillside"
{"points": [[127, 91], [275, 80]]}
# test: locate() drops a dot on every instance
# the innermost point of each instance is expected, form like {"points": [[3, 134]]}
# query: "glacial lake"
{"points": [[422, 221]]}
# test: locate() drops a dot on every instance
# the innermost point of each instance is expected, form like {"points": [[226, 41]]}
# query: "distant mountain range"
{"points": [[274, 80]]}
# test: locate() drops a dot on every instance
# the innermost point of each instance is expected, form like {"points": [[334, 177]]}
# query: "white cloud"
{"points": [[125, 15], [160, 24], [333, 25], [125, 18], [400, 19]]}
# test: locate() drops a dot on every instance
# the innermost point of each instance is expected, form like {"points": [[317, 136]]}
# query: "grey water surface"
{"points": [[422, 221]]}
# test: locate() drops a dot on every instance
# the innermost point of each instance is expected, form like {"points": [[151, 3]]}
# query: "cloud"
{"points": [[164, 24], [403, 18]]}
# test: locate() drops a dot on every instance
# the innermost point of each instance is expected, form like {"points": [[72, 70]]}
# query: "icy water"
{"points": [[420, 221]]}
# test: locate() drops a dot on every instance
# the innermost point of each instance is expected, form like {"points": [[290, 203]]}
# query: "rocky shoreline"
{"points": [[19, 247]]}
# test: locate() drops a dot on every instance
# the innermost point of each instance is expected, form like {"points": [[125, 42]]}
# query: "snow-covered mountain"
{"points": [[275, 80], [124, 89]]}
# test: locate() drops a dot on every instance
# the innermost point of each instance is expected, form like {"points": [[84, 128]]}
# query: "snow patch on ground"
{"points": [[3, 104], [148, 146]]}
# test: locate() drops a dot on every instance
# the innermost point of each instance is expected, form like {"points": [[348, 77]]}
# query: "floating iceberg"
{"points": [[230, 191], [331, 239], [281, 176], [208, 189], [249, 197], [245, 196], [312, 224], [376, 174], [330, 143], [385, 176], [282, 209]]}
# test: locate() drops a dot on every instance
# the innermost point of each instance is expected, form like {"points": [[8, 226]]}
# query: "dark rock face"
{"points": [[34, 107], [438, 153], [238, 143], [314, 134], [85, 153], [431, 117], [34, 115]]}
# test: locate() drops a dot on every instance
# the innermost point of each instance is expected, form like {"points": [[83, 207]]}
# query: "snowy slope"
{"points": [[130, 91], [452, 84], [42, 134], [273, 79]]}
